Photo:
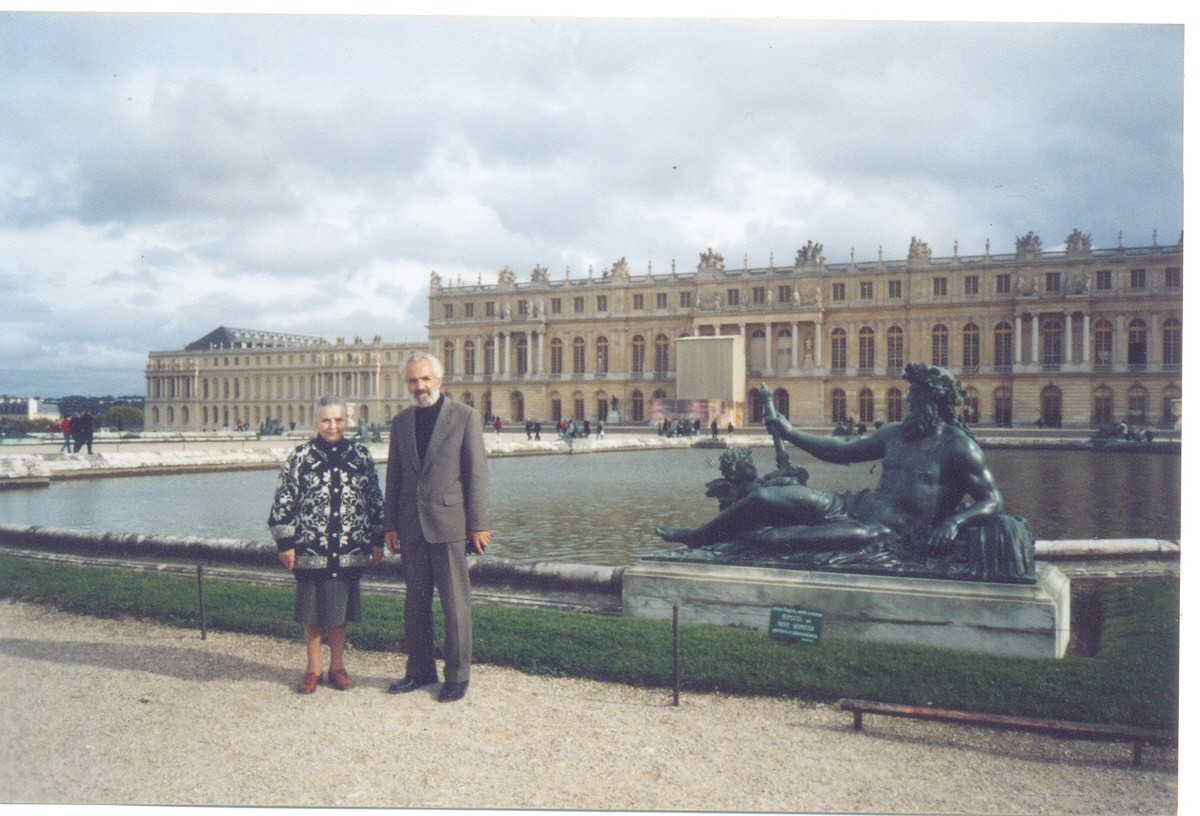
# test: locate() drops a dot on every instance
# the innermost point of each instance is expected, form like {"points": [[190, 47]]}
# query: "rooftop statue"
{"points": [[936, 511]]}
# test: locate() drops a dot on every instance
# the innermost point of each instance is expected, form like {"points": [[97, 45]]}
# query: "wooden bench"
{"points": [[1137, 737]]}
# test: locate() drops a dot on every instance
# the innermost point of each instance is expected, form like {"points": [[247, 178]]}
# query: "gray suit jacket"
{"points": [[447, 495]]}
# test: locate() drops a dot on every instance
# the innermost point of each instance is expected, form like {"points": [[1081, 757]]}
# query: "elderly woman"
{"points": [[327, 520]]}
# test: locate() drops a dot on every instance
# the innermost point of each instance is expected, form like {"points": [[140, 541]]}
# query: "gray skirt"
{"points": [[325, 601]]}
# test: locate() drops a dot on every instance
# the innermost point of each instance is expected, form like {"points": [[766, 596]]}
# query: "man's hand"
{"points": [[479, 540], [391, 540], [288, 559]]}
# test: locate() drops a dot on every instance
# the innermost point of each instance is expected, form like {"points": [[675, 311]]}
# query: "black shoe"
{"points": [[452, 691], [406, 684]]}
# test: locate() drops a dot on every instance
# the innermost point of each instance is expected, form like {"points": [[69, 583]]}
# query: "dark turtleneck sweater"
{"points": [[426, 418]]}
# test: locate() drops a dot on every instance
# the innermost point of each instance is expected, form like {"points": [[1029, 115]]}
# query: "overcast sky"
{"points": [[162, 175]]}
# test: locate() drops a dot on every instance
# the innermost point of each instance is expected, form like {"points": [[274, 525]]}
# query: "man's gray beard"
{"points": [[920, 422], [427, 400]]}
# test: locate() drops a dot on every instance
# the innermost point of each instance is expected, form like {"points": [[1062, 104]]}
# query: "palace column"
{"points": [[1085, 353], [1070, 352], [1033, 340]]}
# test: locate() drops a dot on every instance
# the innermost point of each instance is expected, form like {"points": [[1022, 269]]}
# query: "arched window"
{"points": [[661, 354], [1137, 342], [447, 358], [637, 407], [1002, 406], [1052, 342], [1139, 403], [1003, 358], [516, 406], [895, 405], [895, 349], [837, 405], [468, 363], [837, 349], [578, 358], [1102, 343], [639, 354], [970, 348], [580, 411], [784, 357], [971, 405], [783, 402], [757, 406], [866, 406], [489, 357], [1052, 406], [1170, 399], [602, 355], [556, 412], [941, 345], [556, 356], [1102, 406], [601, 405], [1172, 342], [487, 404], [866, 348]]}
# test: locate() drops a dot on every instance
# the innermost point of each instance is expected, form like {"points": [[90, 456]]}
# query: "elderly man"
{"points": [[436, 499], [327, 521], [930, 463]]}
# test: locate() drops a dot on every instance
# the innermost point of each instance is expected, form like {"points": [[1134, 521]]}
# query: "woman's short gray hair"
{"points": [[433, 361], [329, 400]]}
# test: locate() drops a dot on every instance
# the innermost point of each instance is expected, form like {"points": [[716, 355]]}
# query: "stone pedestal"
{"points": [[1015, 620]]}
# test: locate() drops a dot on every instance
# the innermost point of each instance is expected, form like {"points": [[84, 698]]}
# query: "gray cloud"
{"points": [[170, 173]]}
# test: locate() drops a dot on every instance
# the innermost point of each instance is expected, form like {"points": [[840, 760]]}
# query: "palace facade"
{"points": [[1077, 337], [241, 377]]}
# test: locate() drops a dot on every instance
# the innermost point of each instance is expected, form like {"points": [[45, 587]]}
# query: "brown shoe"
{"points": [[340, 680], [309, 683]]}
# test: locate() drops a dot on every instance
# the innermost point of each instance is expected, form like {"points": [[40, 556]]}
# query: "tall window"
{"points": [[639, 302], [970, 347], [578, 305], [838, 291], [837, 405], [837, 349], [601, 303], [489, 356], [1137, 278], [1003, 283], [1102, 406], [1139, 402], [732, 297], [1052, 342], [895, 348], [660, 300], [940, 287], [971, 405], [1172, 342], [602, 355], [1173, 277], [1053, 281], [661, 356], [447, 358], [866, 347], [639, 354], [785, 294], [1002, 406], [556, 356], [578, 356], [758, 295], [1003, 357], [1104, 279], [895, 288], [866, 290], [522, 356], [895, 405], [941, 345], [866, 406], [637, 407], [685, 300], [1137, 342], [1102, 342], [556, 308], [971, 285], [468, 360]]}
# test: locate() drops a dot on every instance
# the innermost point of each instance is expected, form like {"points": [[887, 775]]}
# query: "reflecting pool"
{"points": [[601, 508]]}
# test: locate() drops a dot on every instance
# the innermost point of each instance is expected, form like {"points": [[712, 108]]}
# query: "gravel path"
{"points": [[129, 712]]}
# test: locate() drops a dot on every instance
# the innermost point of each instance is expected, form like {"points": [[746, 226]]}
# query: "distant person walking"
{"points": [[537, 430], [327, 521], [65, 427], [83, 429], [497, 425]]}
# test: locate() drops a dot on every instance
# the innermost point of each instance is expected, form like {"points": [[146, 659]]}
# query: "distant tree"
{"points": [[124, 417]]}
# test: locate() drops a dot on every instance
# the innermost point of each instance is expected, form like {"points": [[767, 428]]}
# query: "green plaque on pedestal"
{"points": [[795, 624]]}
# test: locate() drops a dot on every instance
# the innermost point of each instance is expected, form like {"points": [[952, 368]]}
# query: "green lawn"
{"points": [[1133, 679]]}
